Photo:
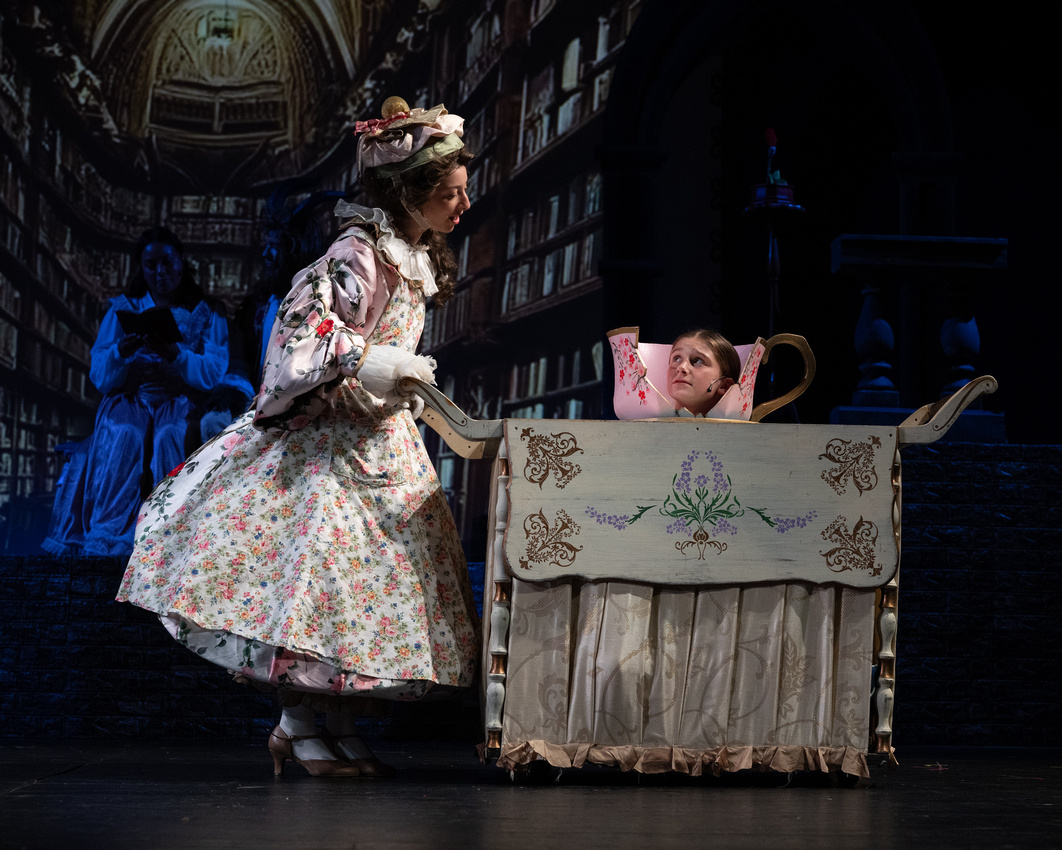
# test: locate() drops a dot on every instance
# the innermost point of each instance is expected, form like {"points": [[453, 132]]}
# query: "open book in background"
{"points": [[155, 322]]}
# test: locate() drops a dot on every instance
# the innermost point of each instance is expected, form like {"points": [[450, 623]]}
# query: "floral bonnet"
{"points": [[405, 138]]}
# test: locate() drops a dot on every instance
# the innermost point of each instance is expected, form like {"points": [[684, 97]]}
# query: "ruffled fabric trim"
{"points": [[784, 759], [412, 261]]}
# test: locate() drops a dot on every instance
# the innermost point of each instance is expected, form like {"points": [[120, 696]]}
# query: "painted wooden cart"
{"points": [[692, 594]]}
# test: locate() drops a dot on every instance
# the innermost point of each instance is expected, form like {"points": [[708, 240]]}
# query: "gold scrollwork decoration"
{"points": [[548, 454], [855, 549], [548, 545], [702, 540], [855, 464]]}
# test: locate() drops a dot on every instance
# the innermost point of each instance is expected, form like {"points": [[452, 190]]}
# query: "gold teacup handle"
{"points": [[801, 345]]}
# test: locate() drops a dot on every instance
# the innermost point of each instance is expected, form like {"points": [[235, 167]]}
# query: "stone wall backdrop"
{"points": [[978, 655]]}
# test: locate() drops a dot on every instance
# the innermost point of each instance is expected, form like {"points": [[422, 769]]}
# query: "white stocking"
{"points": [[299, 720]]}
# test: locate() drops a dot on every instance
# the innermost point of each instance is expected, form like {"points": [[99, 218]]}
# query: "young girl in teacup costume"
{"points": [[703, 365], [309, 545]]}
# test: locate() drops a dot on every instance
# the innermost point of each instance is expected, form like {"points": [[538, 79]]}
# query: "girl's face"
{"points": [[694, 377], [443, 209], [162, 266]]}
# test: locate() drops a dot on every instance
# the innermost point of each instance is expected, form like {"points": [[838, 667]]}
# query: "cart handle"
{"points": [[800, 344], [931, 421], [470, 438]]}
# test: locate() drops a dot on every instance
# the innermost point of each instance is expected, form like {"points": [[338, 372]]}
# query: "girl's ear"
{"points": [[724, 385]]}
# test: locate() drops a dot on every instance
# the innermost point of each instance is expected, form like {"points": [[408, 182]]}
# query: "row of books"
{"points": [[538, 277], [11, 235], [12, 192], [571, 408], [555, 372], [49, 367], [60, 244], [448, 321], [84, 307], [485, 175], [554, 100], [548, 215], [8, 297], [75, 177], [480, 128], [483, 47], [8, 343]]}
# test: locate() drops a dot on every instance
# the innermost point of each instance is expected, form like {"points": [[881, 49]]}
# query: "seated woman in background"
{"points": [[702, 367], [159, 345]]}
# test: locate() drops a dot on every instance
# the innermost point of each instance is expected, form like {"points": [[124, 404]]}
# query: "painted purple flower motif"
{"points": [[724, 526], [682, 481], [693, 501], [619, 521], [784, 524], [679, 526], [693, 507]]}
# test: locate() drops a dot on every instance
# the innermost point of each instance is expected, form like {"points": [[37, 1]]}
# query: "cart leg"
{"points": [[499, 586], [884, 696]]}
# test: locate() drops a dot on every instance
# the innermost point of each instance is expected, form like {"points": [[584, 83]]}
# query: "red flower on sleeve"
{"points": [[325, 327]]}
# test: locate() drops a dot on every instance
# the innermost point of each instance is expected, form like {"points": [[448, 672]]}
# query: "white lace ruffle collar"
{"points": [[412, 261]]}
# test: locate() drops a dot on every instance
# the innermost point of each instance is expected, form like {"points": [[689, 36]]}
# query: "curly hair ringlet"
{"points": [[410, 190]]}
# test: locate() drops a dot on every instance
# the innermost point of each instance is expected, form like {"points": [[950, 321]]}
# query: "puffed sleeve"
{"points": [[203, 365], [318, 337], [108, 369]]}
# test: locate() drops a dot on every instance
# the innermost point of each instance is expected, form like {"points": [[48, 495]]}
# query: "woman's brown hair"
{"points": [[409, 191]]}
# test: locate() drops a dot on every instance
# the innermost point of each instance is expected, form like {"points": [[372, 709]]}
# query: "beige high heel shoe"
{"points": [[281, 745]]}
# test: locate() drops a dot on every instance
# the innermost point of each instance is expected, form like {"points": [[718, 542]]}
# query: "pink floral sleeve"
{"points": [[319, 333]]}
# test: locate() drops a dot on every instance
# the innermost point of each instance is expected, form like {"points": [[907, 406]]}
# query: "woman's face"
{"points": [[694, 378], [162, 266], [273, 255], [443, 209]]}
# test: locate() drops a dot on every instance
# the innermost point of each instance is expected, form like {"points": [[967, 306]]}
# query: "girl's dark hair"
{"points": [[720, 346], [410, 190], [188, 294]]}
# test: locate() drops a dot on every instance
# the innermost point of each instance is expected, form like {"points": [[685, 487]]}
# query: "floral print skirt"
{"points": [[324, 560]]}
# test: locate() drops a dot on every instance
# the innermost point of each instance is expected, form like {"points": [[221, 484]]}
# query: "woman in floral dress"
{"points": [[309, 545]]}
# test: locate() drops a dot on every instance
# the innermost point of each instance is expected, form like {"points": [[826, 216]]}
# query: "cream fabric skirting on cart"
{"points": [[698, 681]]}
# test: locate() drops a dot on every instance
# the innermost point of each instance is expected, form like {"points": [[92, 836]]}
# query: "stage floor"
{"points": [[155, 794]]}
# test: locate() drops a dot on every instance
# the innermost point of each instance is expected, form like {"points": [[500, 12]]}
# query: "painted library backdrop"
{"points": [[617, 145]]}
